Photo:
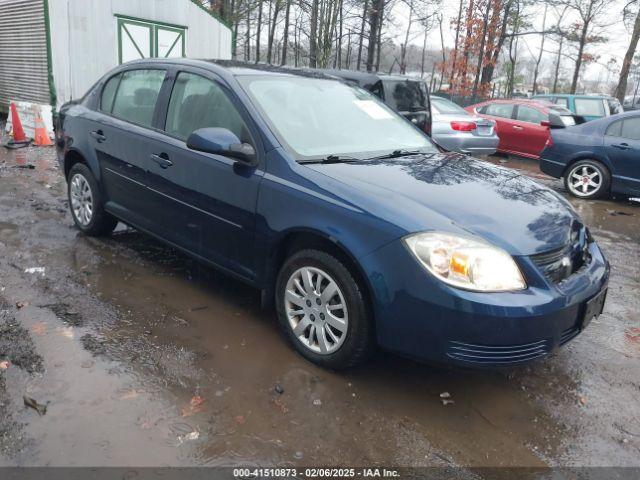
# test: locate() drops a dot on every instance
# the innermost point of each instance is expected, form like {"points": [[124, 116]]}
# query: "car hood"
{"points": [[459, 194]]}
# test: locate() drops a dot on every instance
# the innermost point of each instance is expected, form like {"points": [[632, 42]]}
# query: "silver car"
{"points": [[457, 130]]}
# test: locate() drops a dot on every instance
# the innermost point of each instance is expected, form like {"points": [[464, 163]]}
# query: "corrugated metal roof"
{"points": [[23, 52]]}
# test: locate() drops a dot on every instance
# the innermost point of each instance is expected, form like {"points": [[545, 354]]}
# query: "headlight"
{"points": [[466, 263]]}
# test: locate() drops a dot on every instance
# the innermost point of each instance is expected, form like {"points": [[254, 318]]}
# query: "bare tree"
{"points": [[621, 88]]}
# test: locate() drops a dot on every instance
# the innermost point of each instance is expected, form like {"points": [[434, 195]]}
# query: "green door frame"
{"points": [[153, 26]]}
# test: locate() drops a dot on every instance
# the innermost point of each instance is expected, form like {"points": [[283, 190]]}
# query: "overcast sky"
{"points": [[616, 32]]}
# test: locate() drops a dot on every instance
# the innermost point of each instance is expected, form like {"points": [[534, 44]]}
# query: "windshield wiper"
{"points": [[396, 154], [332, 159]]}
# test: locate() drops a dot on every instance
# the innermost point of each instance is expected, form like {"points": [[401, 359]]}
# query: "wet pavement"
{"points": [[142, 357]]}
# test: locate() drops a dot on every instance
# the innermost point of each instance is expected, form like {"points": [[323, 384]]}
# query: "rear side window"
{"points": [[197, 102], [405, 95], [504, 110], [590, 107], [631, 128], [531, 115], [136, 97], [561, 101], [109, 93]]}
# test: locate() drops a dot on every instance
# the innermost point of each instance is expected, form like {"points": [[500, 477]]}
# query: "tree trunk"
{"points": [[339, 55], [581, 44], [455, 46], [539, 59], [361, 36], [489, 69], [403, 46], [379, 39], [374, 19], [485, 24], [285, 38], [621, 89], [272, 28], [313, 35], [247, 53], [557, 70], [258, 32]]}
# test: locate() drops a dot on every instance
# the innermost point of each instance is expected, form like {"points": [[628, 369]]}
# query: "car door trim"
{"points": [[110, 170], [222, 219]]}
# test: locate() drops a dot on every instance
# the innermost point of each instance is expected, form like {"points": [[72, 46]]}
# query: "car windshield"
{"points": [[316, 118], [405, 95], [441, 105]]}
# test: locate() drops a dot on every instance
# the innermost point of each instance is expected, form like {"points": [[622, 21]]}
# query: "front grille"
{"points": [[492, 354], [559, 264]]}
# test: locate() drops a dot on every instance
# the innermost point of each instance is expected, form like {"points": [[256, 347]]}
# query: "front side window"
{"points": [[504, 110], [562, 101], [197, 102], [631, 128], [531, 115], [135, 100], [590, 107], [314, 118]]}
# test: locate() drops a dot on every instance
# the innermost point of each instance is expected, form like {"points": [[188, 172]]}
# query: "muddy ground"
{"points": [[142, 357]]}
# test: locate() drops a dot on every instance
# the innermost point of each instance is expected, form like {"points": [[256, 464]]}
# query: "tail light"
{"points": [[549, 142], [464, 126]]}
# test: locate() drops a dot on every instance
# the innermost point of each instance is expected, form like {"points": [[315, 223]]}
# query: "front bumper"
{"points": [[421, 317]]}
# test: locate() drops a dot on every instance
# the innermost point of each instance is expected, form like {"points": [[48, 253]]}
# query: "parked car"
{"points": [[407, 95], [523, 125], [631, 102], [362, 232], [454, 129], [597, 158], [590, 107]]}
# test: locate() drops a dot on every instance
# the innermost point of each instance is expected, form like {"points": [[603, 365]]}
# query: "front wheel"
{"points": [[85, 202], [588, 179], [323, 311]]}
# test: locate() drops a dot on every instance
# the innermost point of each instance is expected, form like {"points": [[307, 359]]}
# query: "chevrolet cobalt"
{"points": [[345, 215]]}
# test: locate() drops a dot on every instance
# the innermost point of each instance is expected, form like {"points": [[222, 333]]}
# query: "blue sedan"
{"points": [[596, 158], [345, 215]]}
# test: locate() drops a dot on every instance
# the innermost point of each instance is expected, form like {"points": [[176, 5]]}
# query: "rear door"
{"points": [[207, 201], [622, 141], [529, 136], [501, 113], [119, 134]]}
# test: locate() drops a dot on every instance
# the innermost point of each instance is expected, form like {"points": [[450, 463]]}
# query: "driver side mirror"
{"points": [[221, 141]]}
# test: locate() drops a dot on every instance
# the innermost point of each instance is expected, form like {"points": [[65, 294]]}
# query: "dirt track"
{"points": [[148, 358]]}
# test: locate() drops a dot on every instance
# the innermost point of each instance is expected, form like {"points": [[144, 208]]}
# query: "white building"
{"points": [[52, 51]]}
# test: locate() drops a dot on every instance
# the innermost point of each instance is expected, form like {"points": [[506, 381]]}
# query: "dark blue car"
{"points": [[596, 158], [342, 212]]}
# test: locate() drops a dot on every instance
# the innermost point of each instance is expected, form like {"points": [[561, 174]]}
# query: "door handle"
{"points": [[162, 160], [622, 146], [518, 127], [99, 136]]}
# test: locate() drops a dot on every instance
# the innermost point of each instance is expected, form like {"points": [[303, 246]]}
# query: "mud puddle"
{"points": [[152, 359]]}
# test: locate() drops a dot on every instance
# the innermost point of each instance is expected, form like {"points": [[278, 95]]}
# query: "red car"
{"points": [[523, 125]]}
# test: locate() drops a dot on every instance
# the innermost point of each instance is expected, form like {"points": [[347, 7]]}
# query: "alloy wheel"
{"points": [[585, 180], [81, 199], [316, 310]]}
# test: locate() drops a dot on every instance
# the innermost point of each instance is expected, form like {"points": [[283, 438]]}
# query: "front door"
{"points": [[207, 201], [501, 113], [622, 142]]}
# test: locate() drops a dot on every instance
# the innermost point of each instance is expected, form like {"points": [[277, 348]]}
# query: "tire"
{"points": [[346, 348], [588, 179], [86, 203]]}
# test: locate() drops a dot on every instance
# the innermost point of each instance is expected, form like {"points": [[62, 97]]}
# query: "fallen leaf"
{"points": [[196, 401], [39, 328], [4, 365], [583, 401], [446, 402], [66, 332], [20, 305], [445, 395], [240, 419], [130, 395], [31, 403]]}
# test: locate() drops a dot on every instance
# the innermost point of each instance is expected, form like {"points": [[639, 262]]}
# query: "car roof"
{"points": [[233, 67], [519, 101], [573, 95]]}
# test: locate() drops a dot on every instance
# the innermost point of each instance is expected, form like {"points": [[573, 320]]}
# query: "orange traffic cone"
{"points": [[18, 132], [42, 138]]}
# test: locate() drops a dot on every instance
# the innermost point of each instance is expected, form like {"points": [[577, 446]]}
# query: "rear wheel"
{"points": [[587, 179], [86, 204], [323, 311]]}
